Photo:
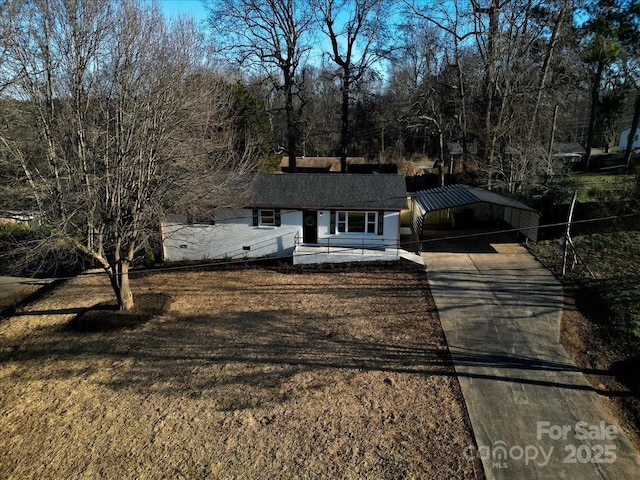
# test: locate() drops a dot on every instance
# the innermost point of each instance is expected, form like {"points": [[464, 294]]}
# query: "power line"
{"points": [[254, 261]]}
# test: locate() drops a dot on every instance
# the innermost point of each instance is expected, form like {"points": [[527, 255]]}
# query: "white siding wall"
{"points": [[226, 240], [624, 138]]}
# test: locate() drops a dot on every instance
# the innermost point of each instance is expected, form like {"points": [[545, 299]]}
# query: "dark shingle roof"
{"points": [[330, 190]]}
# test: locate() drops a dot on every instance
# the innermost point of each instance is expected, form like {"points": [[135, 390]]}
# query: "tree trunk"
{"points": [[344, 121], [119, 278], [488, 138], [545, 72], [291, 123], [462, 120], [595, 100], [634, 128]]}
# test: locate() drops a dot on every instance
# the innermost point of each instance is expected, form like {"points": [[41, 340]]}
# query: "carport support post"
{"points": [[567, 234]]}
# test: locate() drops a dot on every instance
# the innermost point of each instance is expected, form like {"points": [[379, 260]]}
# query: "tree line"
{"points": [[502, 79]]}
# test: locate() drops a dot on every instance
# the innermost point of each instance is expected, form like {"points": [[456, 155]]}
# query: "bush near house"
{"points": [[17, 246]]}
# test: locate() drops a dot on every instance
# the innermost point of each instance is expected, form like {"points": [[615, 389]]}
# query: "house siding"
{"points": [[236, 237], [233, 238]]}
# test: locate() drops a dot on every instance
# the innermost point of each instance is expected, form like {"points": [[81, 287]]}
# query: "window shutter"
{"points": [[255, 217], [332, 222], [277, 218], [380, 222]]}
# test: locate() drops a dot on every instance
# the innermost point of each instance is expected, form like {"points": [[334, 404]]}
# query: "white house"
{"points": [[624, 138], [314, 217]]}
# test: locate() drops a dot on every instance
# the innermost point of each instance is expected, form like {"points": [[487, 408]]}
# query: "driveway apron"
{"points": [[533, 414]]}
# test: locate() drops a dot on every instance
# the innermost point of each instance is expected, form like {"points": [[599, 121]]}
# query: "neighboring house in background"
{"points": [[624, 138], [564, 156], [318, 164], [314, 217], [22, 218]]}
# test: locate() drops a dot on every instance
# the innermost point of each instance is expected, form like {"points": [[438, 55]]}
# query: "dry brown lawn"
{"points": [[250, 373], [607, 364]]}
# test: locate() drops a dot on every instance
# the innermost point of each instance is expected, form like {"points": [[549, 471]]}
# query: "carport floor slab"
{"points": [[533, 413]]}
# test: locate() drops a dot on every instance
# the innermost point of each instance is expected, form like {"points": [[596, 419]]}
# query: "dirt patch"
{"points": [[607, 363], [245, 374]]}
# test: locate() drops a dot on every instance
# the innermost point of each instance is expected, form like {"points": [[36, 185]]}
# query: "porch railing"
{"points": [[343, 244]]}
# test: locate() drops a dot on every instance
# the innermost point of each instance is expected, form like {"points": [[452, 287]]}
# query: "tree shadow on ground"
{"points": [[242, 360], [247, 342], [248, 359], [106, 317]]}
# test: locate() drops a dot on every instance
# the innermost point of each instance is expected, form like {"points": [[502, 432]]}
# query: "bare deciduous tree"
{"points": [[358, 37], [271, 35], [128, 122]]}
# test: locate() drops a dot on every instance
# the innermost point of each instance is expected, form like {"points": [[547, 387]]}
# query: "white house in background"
{"points": [[624, 138], [16, 217], [314, 217]]}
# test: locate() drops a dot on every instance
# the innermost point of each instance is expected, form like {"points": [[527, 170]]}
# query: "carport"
{"points": [[464, 208]]}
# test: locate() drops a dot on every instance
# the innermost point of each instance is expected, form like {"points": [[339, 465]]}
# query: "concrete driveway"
{"points": [[14, 289], [532, 411]]}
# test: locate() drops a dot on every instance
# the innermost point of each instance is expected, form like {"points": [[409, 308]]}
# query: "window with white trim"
{"points": [[357, 222], [267, 218]]}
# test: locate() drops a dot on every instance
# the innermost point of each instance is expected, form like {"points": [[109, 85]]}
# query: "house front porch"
{"points": [[307, 254], [340, 250]]}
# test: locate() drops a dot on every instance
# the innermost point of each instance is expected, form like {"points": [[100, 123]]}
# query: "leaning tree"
{"points": [[129, 123]]}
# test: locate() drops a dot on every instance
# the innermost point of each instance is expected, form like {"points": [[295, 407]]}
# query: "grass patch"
{"points": [[601, 324], [614, 293], [595, 187]]}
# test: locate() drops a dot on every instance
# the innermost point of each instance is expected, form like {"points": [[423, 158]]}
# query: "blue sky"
{"points": [[173, 8], [196, 9]]}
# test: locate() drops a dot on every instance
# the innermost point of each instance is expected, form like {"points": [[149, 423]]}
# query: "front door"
{"points": [[310, 226]]}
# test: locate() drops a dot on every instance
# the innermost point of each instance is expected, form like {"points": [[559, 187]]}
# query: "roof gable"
{"points": [[330, 191]]}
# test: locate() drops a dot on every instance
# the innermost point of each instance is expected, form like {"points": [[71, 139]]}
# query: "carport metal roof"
{"points": [[459, 195], [517, 214]]}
